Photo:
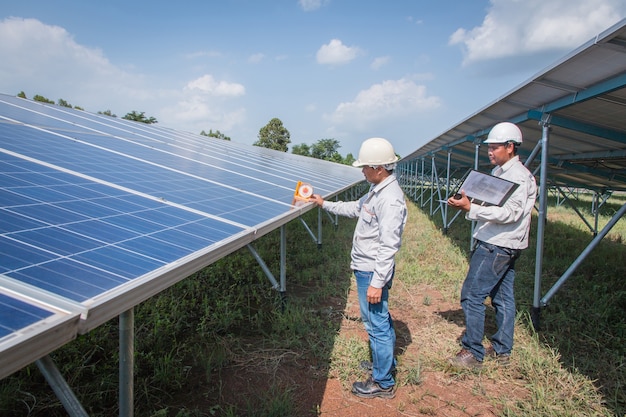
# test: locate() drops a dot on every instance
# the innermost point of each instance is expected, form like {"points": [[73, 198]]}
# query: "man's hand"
{"points": [[462, 203], [374, 295], [317, 199]]}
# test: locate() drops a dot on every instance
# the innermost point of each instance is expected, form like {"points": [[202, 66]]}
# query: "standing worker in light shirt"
{"points": [[500, 235], [382, 215]]}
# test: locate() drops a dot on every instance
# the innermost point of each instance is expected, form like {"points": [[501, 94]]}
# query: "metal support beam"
{"points": [[283, 266], [127, 362], [535, 313], [308, 229], [592, 229], [444, 206], [60, 387], [319, 228], [264, 267], [596, 240]]}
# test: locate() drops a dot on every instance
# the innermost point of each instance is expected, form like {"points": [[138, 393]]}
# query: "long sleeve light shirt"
{"points": [[377, 237], [507, 226]]}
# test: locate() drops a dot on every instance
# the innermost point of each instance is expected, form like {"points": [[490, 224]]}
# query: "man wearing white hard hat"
{"points": [[500, 235], [382, 215]]}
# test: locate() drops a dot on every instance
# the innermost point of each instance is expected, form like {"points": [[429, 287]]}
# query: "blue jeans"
{"points": [[491, 273], [379, 327]]}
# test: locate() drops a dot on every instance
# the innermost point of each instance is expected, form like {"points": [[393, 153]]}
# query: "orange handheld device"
{"points": [[302, 193]]}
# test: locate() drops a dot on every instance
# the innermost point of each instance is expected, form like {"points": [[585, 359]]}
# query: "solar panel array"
{"points": [[99, 213], [582, 98]]}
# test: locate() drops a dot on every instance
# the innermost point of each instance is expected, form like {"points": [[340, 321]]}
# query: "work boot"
{"points": [[465, 359], [503, 359], [370, 389]]}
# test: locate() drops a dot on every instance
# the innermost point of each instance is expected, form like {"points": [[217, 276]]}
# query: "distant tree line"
{"points": [[217, 134], [133, 115], [275, 136], [272, 136]]}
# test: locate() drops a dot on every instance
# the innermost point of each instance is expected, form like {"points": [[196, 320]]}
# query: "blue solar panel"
{"points": [[97, 211], [28, 332], [16, 315]]}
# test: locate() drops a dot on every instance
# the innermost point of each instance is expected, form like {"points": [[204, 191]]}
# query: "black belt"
{"points": [[513, 253]]}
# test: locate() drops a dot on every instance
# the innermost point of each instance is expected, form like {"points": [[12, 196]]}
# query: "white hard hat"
{"points": [[504, 132], [375, 152]]}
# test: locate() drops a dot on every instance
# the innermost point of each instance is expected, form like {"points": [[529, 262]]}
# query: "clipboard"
{"points": [[487, 189]]}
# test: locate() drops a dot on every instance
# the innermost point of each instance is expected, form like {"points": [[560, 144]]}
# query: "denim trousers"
{"points": [[491, 273], [379, 326]]}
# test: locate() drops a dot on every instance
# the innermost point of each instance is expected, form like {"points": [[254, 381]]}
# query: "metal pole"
{"points": [[583, 255], [60, 387], [264, 267], [473, 224], [422, 184], [535, 313], [319, 228], [445, 206], [283, 266], [127, 362]]}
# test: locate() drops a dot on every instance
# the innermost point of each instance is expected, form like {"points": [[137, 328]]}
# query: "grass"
{"points": [[224, 327]]}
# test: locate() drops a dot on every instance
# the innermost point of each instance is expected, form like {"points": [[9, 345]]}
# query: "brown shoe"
{"points": [[503, 359], [465, 359], [371, 389]]}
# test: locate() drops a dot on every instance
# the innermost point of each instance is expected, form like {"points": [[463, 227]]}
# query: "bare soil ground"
{"points": [[427, 334]]}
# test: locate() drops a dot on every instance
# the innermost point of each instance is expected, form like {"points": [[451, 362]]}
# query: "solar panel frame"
{"points": [[98, 214], [31, 328]]}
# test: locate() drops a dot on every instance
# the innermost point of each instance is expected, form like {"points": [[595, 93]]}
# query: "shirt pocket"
{"points": [[367, 214]]}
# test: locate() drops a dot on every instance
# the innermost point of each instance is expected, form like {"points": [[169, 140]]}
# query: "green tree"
{"points": [[140, 117], [349, 159], [107, 113], [42, 99], [22, 94], [301, 149], [326, 149], [274, 136], [63, 103], [217, 134]]}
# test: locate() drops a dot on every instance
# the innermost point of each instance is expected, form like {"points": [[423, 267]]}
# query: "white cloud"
{"points": [[514, 27], [336, 53], [380, 62], [207, 85], [206, 104], [43, 59], [256, 58], [390, 100], [203, 54], [310, 5], [198, 112]]}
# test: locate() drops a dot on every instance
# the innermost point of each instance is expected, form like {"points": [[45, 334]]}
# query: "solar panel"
{"points": [[99, 213], [28, 332]]}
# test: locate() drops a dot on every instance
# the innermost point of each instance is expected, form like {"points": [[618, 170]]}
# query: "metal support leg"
{"points": [[264, 267], [283, 267], [127, 362], [319, 228], [60, 387], [535, 313], [583, 255]]}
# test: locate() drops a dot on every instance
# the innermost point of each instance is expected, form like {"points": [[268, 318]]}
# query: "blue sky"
{"points": [[406, 70]]}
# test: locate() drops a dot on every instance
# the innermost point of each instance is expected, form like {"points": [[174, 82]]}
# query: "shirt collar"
{"points": [[509, 163], [377, 187]]}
